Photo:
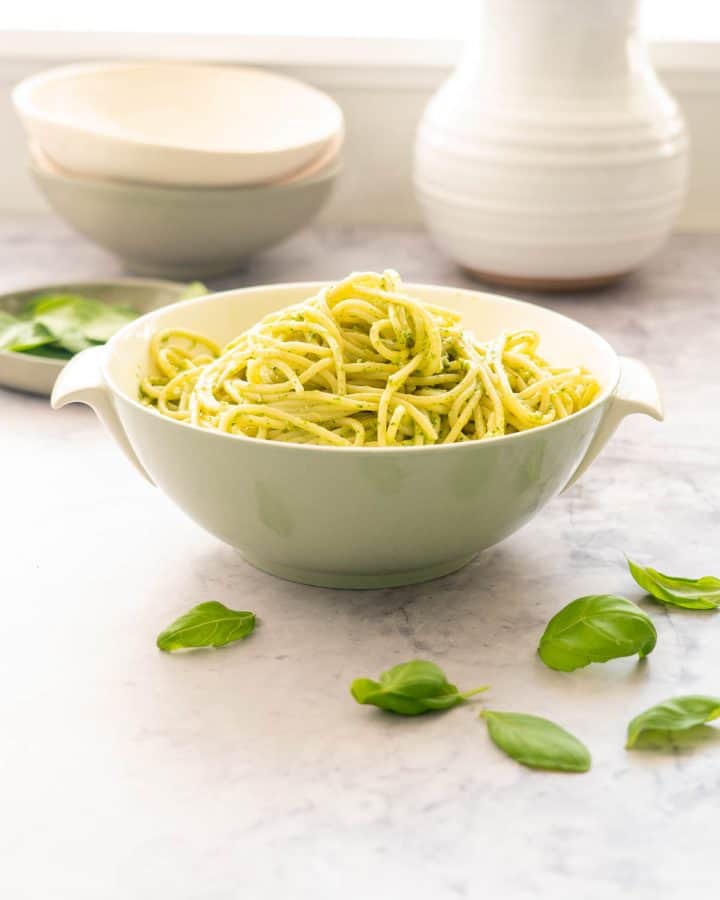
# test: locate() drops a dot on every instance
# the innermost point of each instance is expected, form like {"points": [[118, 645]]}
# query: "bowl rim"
{"points": [[25, 105], [313, 287], [58, 364], [214, 191]]}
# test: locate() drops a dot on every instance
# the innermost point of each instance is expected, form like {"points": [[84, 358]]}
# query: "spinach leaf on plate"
{"points": [[77, 323], [209, 624], [410, 689], [60, 325], [21, 335], [536, 742], [676, 714], [688, 593], [596, 628], [49, 351]]}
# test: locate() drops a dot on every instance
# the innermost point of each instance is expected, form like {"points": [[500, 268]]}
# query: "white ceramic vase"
{"points": [[552, 157]]}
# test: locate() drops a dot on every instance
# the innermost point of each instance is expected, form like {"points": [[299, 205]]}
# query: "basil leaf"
{"points": [[688, 593], [410, 689], [107, 321], [595, 629], [60, 325], [536, 742], [207, 625], [193, 289], [50, 351], [676, 714], [19, 335], [64, 318], [76, 322]]}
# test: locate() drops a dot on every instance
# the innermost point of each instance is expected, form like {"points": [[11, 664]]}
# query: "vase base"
{"points": [[549, 285]]}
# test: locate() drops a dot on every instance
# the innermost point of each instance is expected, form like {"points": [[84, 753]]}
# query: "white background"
{"points": [[679, 20]]}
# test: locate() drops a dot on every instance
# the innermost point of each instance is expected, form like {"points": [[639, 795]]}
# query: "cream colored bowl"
{"points": [[346, 516], [177, 123]]}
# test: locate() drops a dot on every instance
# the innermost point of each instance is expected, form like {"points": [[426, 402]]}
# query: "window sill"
{"points": [[291, 51]]}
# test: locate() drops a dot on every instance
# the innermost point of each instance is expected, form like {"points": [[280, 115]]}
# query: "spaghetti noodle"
{"points": [[362, 364]]}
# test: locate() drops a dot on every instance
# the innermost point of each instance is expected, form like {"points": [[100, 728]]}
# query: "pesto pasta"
{"points": [[362, 364]]}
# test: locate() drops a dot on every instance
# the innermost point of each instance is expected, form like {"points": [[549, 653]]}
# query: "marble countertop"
{"points": [[249, 772]]}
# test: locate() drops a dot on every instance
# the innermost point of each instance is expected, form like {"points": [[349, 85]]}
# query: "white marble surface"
{"points": [[249, 772]]}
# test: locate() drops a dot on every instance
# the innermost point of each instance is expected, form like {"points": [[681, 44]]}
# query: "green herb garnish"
{"points": [[536, 742], [688, 593], [22, 335], [209, 624], [677, 714], [595, 629], [60, 325], [194, 289], [410, 689], [77, 323]]}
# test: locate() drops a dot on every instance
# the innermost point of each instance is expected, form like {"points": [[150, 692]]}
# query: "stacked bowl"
{"points": [[181, 170]]}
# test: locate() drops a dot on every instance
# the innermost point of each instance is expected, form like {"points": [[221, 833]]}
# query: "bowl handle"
{"points": [[81, 381], [637, 392]]}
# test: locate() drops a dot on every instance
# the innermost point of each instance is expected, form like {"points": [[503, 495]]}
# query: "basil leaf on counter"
{"points": [[595, 629], [410, 689], [676, 714], [688, 593], [536, 742], [207, 625]]}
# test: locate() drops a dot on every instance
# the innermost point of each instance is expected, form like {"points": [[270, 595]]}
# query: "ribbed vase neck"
{"points": [[552, 17], [547, 42]]}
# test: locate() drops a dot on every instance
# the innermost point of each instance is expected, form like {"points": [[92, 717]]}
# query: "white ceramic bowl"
{"points": [[178, 124], [356, 517], [183, 232]]}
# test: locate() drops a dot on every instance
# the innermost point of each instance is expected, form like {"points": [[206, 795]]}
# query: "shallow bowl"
{"points": [[37, 374], [183, 232], [347, 516], [176, 123]]}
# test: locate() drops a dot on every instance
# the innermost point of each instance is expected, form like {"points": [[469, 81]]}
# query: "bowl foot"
{"points": [[359, 581], [549, 285]]}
